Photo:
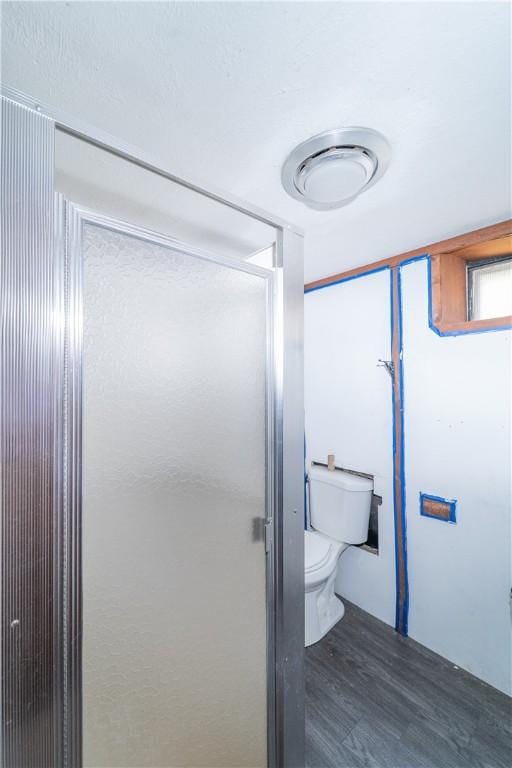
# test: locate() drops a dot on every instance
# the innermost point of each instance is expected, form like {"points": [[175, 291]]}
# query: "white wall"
{"points": [[457, 393], [457, 420], [348, 413]]}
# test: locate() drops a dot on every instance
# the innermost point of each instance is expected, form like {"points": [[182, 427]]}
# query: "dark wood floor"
{"points": [[378, 700]]}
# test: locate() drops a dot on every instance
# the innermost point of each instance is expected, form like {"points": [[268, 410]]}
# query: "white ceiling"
{"points": [[221, 92]]}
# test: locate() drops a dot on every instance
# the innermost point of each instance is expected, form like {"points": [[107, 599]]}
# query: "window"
{"points": [[472, 284], [489, 288]]}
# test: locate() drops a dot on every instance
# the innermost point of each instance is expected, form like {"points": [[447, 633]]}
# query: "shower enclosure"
{"points": [[152, 439]]}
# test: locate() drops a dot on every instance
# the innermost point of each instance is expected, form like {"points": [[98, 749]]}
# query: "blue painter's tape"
{"points": [[433, 327], [396, 490], [392, 321], [404, 617], [347, 279], [450, 503], [421, 257]]}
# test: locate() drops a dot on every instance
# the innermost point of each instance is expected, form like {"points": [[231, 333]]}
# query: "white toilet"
{"points": [[339, 511]]}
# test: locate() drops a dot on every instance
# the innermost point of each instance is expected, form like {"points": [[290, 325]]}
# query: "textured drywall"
{"points": [[457, 397], [457, 419], [223, 91], [348, 413]]}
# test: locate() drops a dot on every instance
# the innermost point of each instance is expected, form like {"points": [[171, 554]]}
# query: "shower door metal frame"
{"points": [[69, 629], [286, 674]]}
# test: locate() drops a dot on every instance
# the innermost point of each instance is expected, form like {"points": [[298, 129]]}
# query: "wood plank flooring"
{"points": [[378, 700]]}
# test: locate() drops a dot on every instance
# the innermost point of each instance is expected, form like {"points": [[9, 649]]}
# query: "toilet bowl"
{"points": [[339, 505], [323, 608]]}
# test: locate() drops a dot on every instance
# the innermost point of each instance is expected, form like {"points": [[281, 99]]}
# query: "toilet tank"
{"points": [[339, 504]]}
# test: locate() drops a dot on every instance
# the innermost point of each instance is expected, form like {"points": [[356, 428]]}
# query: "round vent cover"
{"points": [[331, 169]]}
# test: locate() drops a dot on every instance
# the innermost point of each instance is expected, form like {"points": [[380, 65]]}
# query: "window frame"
{"points": [[449, 284], [471, 268]]}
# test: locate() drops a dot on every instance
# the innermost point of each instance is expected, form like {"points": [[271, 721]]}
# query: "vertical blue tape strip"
{"points": [[402, 490], [402, 592], [395, 489]]}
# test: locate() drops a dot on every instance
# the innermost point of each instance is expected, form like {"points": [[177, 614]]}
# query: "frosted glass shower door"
{"points": [[174, 494]]}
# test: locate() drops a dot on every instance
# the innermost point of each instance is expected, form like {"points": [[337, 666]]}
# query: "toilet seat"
{"points": [[321, 556], [316, 551]]}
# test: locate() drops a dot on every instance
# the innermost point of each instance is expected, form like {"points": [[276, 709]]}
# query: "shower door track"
{"points": [[101, 139]]}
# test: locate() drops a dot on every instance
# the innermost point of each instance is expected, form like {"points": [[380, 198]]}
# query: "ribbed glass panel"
{"points": [[28, 438], [491, 290]]}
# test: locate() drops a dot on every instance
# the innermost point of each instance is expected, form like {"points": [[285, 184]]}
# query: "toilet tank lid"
{"points": [[340, 478]]}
